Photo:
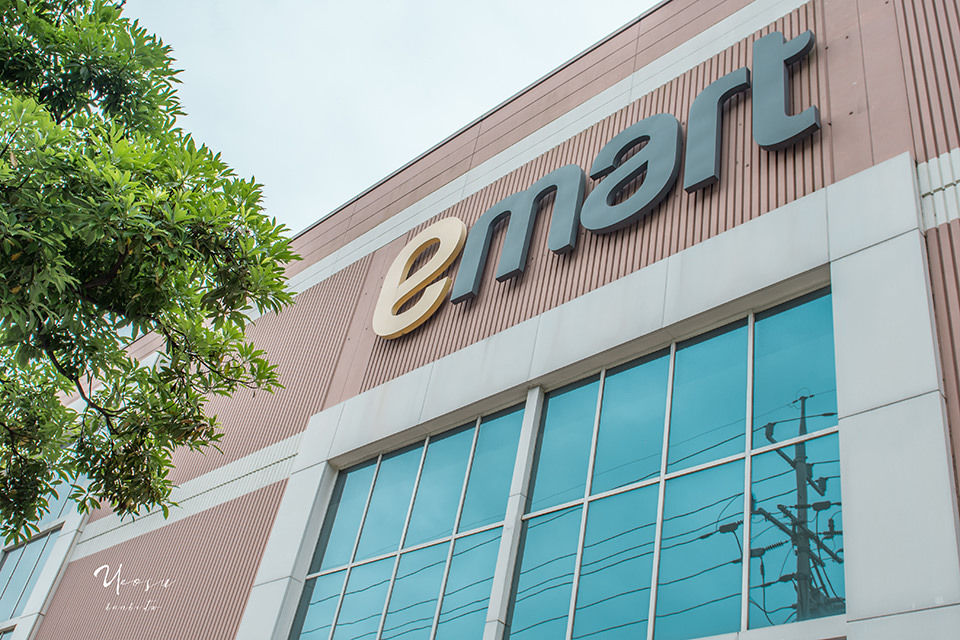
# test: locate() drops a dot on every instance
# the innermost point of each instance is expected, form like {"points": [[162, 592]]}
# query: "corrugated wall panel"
{"points": [[680, 222], [211, 559], [930, 31], [575, 82], [303, 342]]}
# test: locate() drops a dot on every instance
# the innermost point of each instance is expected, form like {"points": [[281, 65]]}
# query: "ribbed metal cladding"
{"points": [[752, 182], [598, 68], [943, 253], [930, 33], [211, 559]]}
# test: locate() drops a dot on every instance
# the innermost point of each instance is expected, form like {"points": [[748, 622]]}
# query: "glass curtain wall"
{"points": [[697, 488], [691, 492], [410, 542]]}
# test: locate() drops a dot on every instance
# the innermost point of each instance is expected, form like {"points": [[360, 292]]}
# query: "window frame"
{"points": [[532, 416]]}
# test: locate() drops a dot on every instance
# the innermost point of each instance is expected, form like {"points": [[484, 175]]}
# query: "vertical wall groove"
{"points": [[211, 558]]}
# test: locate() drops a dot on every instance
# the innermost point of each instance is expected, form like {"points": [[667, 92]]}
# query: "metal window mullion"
{"points": [[453, 536], [658, 534], [466, 476], [747, 495], [796, 440], [403, 537], [503, 575], [443, 587], [583, 514], [353, 552]]}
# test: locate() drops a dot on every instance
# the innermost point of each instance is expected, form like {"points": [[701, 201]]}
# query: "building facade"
{"points": [[664, 346]]}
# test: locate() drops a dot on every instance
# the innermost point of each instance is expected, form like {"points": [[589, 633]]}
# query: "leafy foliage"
{"points": [[114, 226]]}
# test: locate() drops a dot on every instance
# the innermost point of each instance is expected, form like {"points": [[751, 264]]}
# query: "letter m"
{"points": [[520, 209]]}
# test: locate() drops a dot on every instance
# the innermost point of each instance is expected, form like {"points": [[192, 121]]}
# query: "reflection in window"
{"points": [[19, 571], [630, 434], [614, 592], [709, 398], [701, 554], [542, 597], [564, 448], [416, 588], [467, 592], [318, 605], [389, 501], [636, 504], [363, 600], [794, 377], [796, 539], [465, 472], [712, 433]]}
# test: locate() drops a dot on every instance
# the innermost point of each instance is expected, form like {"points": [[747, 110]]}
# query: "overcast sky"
{"points": [[319, 100]]}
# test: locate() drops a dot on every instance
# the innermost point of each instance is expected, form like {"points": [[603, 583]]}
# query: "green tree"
{"points": [[114, 225]]}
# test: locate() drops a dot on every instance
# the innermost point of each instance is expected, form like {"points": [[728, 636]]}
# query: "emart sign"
{"points": [[605, 209]]}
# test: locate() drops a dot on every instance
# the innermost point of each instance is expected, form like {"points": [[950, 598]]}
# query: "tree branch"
{"points": [[106, 413], [109, 276]]}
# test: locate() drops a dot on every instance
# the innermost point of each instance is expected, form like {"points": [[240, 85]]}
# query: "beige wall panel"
{"points": [[210, 560]]}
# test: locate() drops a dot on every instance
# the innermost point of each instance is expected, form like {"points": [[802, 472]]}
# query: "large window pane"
{"points": [[542, 598], [708, 414], [8, 565], [630, 436], [796, 535], [613, 597], [441, 482], [46, 548], [363, 600], [701, 555], [794, 378], [467, 593], [413, 602], [492, 470], [389, 503], [343, 517], [20, 570], [560, 473], [318, 605]]}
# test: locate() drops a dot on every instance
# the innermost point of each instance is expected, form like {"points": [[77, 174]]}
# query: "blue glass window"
{"points": [[389, 503], [440, 571], [613, 596], [630, 435], [708, 413], [795, 384], [413, 601], [339, 532], [492, 470], [701, 554], [318, 605], [441, 482], [467, 592], [363, 600], [19, 571], [548, 558], [796, 534], [560, 471], [600, 576]]}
